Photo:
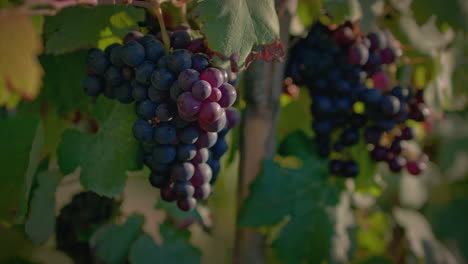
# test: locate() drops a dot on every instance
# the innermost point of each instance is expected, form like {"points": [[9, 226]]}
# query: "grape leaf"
{"points": [[343, 9], [106, 156], [111, 243], [176, 248], [77, 27], [234, 27], [63, 81], [20, 72], [21, 140], [41, 220], [303, 194], [453, 12]]}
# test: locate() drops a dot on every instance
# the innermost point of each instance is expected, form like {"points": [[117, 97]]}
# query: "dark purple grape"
{"points": [[336, 167], [407, 133], [396, 164], [349, 137], [200, 62], [180, 39], [146, 109], [123, 93], [93, 85], [390, 105], [158, 180], [186, 152], [162, 79], [97, 61], [144, 71], [168, 194], [187, 78], [179, 60], [202, 192], [379, 153], [350, 169], [133, 53], [183, 189], [187, 204]]}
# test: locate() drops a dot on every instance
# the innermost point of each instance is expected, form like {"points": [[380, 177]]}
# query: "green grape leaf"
{"points": [[234, 27], [20, 72], [21, 139], [104, 157], [342, 10], [41, 220], [295, 116], [176, 248], [303, 194], [370, 10], [63, 81], [447, 213], [112, 243], [77, 27], [297, 144], [453, 12]]}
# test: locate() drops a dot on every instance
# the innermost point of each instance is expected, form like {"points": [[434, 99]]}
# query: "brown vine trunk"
{"points": [[263, 85]]}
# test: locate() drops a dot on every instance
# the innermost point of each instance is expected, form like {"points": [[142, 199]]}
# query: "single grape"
{"points": [[323, 127], [388, 55], [180, 39], [179, 60], [213, 76], [338, 146], [233, 117], [379, 153], [146, 109], [214, 126], [186, 152], [414, 168], [162, 79], [168, 194], [343, 35], [202, 192], [206, 139], [218, 150], [187, 204], [342, 87], [164, 112], [381, 81], [322, 105], [144, 71], [154, 50], [215, 168], [93, 85], [200, 62], [108, 49], [377, 40], [187, 78], [386, 125], [97, 61], [201, 90], [113, 76], [397, 147], [372, 97], [202, 156], [336, 167], [210, 112], [407, 133], [182, 171], [123, 93], [202, 175], [224, 74], [158, 180], [133, 53], [343, 104], [164, 153], [215, 95], [164, 133], [396, 164], [142, 130], [188, 105], [163, 168], [228, 95], [358, 54]]}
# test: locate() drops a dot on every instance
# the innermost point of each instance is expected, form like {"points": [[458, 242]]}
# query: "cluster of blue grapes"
{"points": [[335, 64], [184, 105]]}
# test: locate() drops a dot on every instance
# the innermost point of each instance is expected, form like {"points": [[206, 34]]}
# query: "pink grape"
{"points": [[215, 95], [358, 54], [233, 117], [167, 194], [228, 95], [203, 191], [210, 112], [187, 104], [381, 81], [213, 76], [201, 90], [224, 74], [202, 175], [202, 156], [215, 126]]}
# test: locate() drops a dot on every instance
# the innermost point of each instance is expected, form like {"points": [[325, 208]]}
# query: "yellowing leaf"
{"points": [[20, 70]]}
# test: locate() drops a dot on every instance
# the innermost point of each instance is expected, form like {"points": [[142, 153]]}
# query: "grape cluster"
{"points": [[184, 105], [335, 64]]}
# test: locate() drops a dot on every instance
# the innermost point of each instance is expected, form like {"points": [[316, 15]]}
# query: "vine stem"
{"points": [[162, 25]]}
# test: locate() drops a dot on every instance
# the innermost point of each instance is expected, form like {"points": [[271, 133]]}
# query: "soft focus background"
{"points": [[47, 216]]}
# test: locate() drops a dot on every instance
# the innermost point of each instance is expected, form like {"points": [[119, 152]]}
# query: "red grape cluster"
{"points": [[183, 102], [335, 64]]}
